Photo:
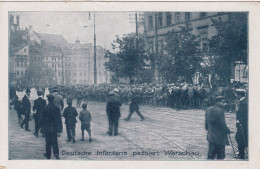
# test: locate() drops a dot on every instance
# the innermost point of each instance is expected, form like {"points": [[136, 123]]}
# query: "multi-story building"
{"points": [[200, 22], [79, 64]]}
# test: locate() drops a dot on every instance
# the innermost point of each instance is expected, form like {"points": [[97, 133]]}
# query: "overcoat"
{"points": [[39, 105], [70, 113], [216, 126], [26, 105], [113, 107]]}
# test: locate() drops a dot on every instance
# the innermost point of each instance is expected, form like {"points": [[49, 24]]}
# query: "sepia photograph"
{"points": [[128, 86]]}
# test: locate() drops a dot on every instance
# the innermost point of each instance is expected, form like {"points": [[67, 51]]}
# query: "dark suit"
{"points": [[70, 113], [217, 132], [113, 113], [38, 106], [242, 128], [51, 123], [26, 108]]}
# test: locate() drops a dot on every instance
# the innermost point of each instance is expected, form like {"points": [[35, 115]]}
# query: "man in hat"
{"points": [[70, 113], [217, 129], [242, 127], [51, 123], [134, 107], [58, 101], [26, 108], [113, 112], [38, 106]]}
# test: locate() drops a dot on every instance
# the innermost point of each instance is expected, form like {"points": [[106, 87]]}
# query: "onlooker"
{"points": [[38, 106], [26, 108], [70, 113], [51, 122], [217, 129], [85, 118]]}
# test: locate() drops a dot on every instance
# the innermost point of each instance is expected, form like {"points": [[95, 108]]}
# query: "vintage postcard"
{"points": [[139, 84]]}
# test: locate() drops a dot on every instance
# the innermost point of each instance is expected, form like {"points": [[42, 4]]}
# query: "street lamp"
{"points": [[95, 60]]}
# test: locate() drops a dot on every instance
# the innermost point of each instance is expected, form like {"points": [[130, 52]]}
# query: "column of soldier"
{"points": [[48, 117]]}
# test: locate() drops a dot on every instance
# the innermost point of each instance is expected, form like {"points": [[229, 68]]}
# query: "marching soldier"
{"points": [[134, 107], [26, 108], [217, 129], [38, 106]]}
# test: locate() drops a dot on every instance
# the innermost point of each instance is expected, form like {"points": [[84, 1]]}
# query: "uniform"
{"points": [[134, 107], [217, 129]]}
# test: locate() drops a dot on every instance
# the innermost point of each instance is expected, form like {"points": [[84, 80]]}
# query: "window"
{"points": [[17, 64], [17, 73], [169, 18], [150, 22], [21, 73], [160, 18], [204, 43], [202, 14], [52, 65], [21, 64], [25, 72], [177, 17], [25, 64], [187, 16]]}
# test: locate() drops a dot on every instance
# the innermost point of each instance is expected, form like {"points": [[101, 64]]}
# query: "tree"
{"points": [[129, 59], [229, 45], [183, 59]]}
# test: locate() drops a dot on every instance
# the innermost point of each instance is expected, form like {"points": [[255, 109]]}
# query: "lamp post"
{"points": [[95, 60]]}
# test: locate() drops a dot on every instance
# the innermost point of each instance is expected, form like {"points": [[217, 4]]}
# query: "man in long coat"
{"points": [[38, 106], [242, 127], [51, 123], [26, 108], [217, 129], [113, 113], [58, 101]]}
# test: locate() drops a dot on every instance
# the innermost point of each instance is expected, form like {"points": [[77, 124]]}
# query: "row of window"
{"points": [[18, 73], [178, 17], [21, 64]]}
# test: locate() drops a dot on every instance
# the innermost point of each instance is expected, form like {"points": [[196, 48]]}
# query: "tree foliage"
{"points": [[229, 45], [183, 59], [129, 58]]}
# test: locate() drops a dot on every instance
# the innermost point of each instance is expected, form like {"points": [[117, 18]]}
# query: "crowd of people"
{"points": [[179, 96]]}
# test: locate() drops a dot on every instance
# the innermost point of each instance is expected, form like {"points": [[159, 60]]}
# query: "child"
{"points": [[70, 113], [85, 119]]}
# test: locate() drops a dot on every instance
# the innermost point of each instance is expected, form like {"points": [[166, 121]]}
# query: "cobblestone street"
{"points": [[165, 134]]}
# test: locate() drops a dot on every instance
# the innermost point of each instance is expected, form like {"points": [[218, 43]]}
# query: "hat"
{"points": [[27, 91], [39, 93], [69, 100], [111, 93], [50, 97], [116, 90], [56, 89]]}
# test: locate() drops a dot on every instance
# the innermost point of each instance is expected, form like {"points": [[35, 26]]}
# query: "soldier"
{"points": [[134, 107], [70, 113], [242, 127], [38, 106], [217, 129], [26, 108], [113, 112], [51, 123]]}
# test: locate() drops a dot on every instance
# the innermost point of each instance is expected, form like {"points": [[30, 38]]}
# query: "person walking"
{"points": [[113, 113], [85, 118], [134, 107], [51, 122], [26, 108], [38, 106], [217, 129], [70, 113]]}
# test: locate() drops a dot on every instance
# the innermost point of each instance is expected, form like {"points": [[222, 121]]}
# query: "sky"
{"points": [[76, 25]]}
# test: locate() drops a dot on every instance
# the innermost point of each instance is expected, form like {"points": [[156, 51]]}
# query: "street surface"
{"points": [[165, 134]]}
